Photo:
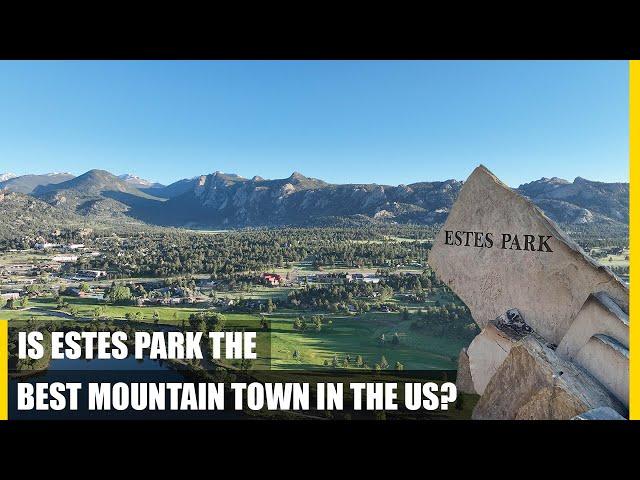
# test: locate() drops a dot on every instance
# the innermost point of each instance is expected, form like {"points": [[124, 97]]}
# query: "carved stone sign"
{"points": [[498, 251], [507, 241]]}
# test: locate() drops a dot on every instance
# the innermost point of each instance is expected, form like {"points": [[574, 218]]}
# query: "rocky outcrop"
{"points": [[600, 413], [229, 200], [534, 383], [531, 289], [599, 314], [582, 201], [598, 340], [492, 345], [608, 361], [464, 382], [221, 199], [497, 251], [486, 353]]}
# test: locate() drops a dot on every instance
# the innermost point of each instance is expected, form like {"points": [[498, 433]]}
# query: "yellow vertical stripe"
{"points": [[4, 370], [634, 232]]}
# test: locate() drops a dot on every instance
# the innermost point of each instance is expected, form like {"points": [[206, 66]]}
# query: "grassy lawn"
{"points": [[615, 260], [86, 307], [27, 256], [346, 335], [621, 260], [359, 336], [306, 268]]}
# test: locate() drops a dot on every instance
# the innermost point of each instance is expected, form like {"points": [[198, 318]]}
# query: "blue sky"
{"points": [[383, 122]]}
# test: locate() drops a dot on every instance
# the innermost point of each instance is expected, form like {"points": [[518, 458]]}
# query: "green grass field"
{"points": [[615, 260], [359, 335], [28, 256], [86, 307], [340, 335], [621, 260]]}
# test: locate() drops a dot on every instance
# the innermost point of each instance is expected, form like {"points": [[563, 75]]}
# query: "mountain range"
{"points": [[7, 176], [221, 200], [97, 193], [139, 182], [28, 183]]}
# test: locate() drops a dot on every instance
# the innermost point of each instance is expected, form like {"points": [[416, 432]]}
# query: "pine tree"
{"points": [[383, 363]]}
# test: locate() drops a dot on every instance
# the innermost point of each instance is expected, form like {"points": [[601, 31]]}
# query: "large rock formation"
{"points": [[599, 315], [531, 288], [534, 383], [608, 361], [498, 251], [600, 413], [486, 353], [464, 382]]}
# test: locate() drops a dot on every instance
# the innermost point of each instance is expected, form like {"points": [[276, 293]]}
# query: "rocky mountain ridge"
{"points": [[223, 200]]}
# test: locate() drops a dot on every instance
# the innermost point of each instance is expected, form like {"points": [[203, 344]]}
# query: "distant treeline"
{"points": [[223, 254], [592, 235]]}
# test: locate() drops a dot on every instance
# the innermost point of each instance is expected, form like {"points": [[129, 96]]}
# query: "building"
{"points": [[92, 274], [207, 283], [371, 279], [45, 245], [48, 267], [272, 279], [10, 296], [76, 292], [360, 278], [171, 301], [226, 302], [330, 278], [65, 258]]}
